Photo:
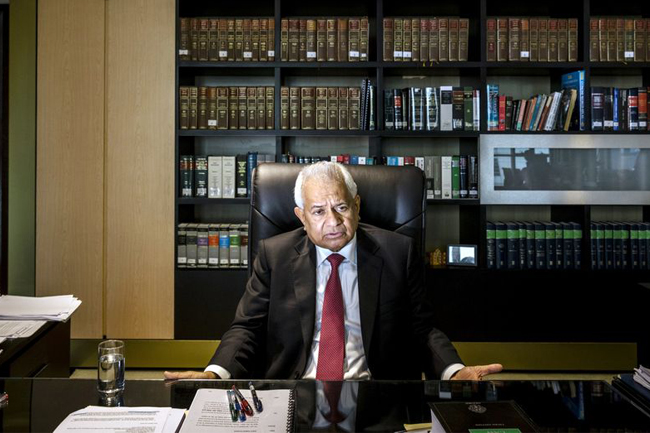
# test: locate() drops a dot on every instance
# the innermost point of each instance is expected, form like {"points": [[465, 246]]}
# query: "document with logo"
{"points": [[479, 417]]}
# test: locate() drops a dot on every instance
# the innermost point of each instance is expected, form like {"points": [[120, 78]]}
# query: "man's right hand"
{"points": [[175, 375]]}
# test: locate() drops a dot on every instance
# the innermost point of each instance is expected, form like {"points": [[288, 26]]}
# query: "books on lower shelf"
{"points": [[533, 245], [614, 109], [227, 39], [534, 39], [212, 245], [326, 39], [617, 245], [444, 108], [328, 108], [543, 112], [619, 39], [217, 176], [425, 39]]}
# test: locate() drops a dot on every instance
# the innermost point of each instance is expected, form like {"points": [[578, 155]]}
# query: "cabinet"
{"points": [[488, 305]]}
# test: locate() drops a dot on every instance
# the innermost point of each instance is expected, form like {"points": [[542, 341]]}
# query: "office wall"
{"points": [[70, 157], [22, 148], [105, 195], [139, 168]]}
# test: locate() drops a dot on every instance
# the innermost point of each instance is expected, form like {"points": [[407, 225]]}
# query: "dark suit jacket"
{"points": [[271, 335]]}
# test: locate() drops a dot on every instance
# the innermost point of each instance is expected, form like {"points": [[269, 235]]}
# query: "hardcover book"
{"points": [[313, 108]]}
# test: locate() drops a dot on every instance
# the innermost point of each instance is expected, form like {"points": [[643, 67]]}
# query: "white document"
{"points": [[119, 419], [57, 308], [210, 412], [173, 420], [19, 328]]}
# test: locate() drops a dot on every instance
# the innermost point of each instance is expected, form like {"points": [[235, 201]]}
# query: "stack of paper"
{"points": [[57, 308], [19, 328], [122, 419], [642, 376]]}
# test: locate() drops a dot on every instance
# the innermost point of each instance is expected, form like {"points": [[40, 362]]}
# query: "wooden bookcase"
{"points": [[472, 304]]}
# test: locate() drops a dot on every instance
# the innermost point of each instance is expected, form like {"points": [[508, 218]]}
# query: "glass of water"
{"points": [[110, 367]]}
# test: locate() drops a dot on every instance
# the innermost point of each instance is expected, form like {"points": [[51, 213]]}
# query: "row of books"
{"points": [[444, 108], [212, 245], [426, 39], [217, 176], [534, 39], [226, 107], [331, 39], [333, 108], [450, 176], [552, 112], [619, 39], [227, 39], [533, 245], [614, 109], [620, 245]]}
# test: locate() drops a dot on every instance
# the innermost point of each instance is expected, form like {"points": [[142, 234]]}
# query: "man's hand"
{"points": [[175, 375], [476, 372]]}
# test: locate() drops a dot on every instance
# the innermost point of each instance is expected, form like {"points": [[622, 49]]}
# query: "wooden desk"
{"points": [[44, 354]]}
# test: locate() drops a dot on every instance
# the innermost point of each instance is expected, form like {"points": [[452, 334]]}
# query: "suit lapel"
{"points": [[369, 269], [304, 277]]}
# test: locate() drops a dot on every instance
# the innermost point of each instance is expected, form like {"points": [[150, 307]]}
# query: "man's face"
{"points": [[330, 214]]}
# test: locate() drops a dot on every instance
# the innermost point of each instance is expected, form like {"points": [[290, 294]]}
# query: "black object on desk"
{"points": [[44, 354], [37, 404]]}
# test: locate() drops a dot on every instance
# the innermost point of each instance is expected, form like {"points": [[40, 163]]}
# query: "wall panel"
{"points": [[140, 168], [70, 156]]}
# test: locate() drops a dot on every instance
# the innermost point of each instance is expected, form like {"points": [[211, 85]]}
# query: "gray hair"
{"points": [[323, 171]]}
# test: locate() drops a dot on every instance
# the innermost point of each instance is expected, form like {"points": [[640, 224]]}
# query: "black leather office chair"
{"points": [[392, 198]]}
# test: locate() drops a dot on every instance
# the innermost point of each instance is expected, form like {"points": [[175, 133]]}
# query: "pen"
{"points": [[233, 412], [245, 407], [256, 401], [242, 415]]}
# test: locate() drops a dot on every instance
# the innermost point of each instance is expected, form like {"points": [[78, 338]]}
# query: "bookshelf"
{"points": [[504, 297]]}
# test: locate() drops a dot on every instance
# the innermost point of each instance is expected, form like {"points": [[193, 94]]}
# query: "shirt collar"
{"points": [[349, 252]]}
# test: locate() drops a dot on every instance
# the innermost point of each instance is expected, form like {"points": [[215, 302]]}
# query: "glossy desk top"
{"points": [[41, 404]]}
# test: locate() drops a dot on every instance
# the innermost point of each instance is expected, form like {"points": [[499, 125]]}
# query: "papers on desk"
{"points": [[210, 412], [56, 308], [19, 328], [642, 376], [123, 419]]}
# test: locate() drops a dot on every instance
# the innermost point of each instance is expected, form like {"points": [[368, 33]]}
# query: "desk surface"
{"points": [[41, 404]]}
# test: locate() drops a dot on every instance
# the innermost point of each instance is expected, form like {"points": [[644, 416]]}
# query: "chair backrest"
{"points": [[392, 198]]}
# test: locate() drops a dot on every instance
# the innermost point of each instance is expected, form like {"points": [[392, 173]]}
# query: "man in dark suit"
{"points": [[335, 300]]}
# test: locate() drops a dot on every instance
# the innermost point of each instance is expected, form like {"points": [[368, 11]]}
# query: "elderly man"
{"points": [[335, 300]]}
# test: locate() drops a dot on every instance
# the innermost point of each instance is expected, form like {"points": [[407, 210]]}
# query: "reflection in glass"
{"points": [[553, 169]]}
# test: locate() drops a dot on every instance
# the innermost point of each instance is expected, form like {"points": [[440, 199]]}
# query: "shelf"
{"points": [[226, 132], [320, 133], [210, 201], [455, 202], [565, 133], [199, 271], [432, 134]]}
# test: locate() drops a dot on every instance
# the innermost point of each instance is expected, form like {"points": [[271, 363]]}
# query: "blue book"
{"points": [[354, 159], [576, 80], [252, 163], [392, 160], [615, 108], [493, 107], [536, 110]]}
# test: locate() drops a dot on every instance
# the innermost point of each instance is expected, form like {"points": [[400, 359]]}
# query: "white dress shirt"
{"points": [[355, 365]]}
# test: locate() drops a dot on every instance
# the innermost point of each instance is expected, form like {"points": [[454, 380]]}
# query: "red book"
{"points": [[502, 113], [643, 109], [409, 160], [346, 159]]}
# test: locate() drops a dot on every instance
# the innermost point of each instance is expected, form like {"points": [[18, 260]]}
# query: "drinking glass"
{"points": [[110, 367]]}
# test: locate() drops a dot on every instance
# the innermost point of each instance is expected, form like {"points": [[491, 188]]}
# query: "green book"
{"points": [[455, 176]]}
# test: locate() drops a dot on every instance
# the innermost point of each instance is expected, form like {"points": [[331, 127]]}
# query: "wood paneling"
{"points": [[70, 156], [139, 168]]}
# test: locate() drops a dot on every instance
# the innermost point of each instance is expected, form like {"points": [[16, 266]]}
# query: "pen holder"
{"points": [[110, 367]]}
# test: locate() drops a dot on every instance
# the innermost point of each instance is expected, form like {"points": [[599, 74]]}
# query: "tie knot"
{"points": [[335, 260]]}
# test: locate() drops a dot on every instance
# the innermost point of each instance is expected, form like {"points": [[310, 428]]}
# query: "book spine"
{"points": [[186, 175], [415, 40], [443, 39], [597, 108], [228, 170], [501, 238], [453, 39], [294, 40], [342, 39], [294, 108], [321, 40], [284, 40], [572, 48], [491, 39], [354, 102], [353, 51], [284, 107], [407, 40], [184, 40], [191, 247], [313, 108], [271, 40], [434, 40], [260, 118], [181, 246], [513, 39], [446, 108], [251, 108], [332, 45], [302, 40], [463, 188], [562, 40], [398, 39], [446, 177], [241, 176], [212, 108], [364, 27], [270, 108], [332, 108], [388, 40], [524, 40], [311, 49], [202, 121], [184, 107], [543, 40], [213, 246], [252, 160], [343, 108], [247, 47]]}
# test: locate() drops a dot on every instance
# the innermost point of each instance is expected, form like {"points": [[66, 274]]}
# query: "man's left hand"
{"points": [[476, 372]]}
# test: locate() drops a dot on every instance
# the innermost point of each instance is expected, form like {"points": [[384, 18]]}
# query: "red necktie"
{"points": [[331, 351]]}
